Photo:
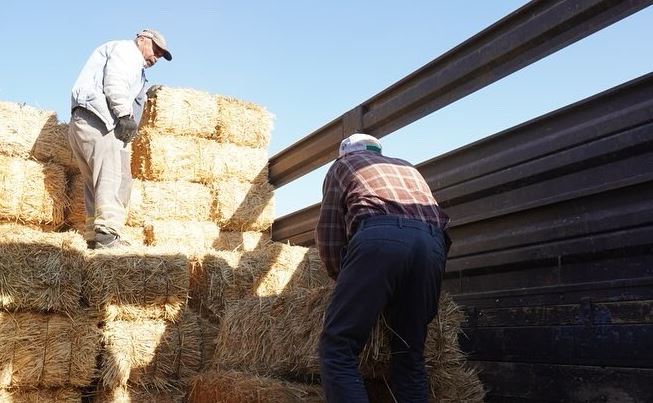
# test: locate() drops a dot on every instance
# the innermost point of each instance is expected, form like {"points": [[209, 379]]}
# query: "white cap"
{"points": [[359, 142]]}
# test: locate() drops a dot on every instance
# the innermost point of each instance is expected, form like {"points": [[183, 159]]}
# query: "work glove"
{"points": [[126, 129], [151, 92]]}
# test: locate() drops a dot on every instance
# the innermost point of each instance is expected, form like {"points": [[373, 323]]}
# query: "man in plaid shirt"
{"points": [[382, 237]]}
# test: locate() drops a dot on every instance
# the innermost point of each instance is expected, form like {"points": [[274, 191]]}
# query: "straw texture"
{"points": [[187, 112], [137, 283], [163, 157], [32, 192], [47, 350], [182, 112], [209, 333], [152, 354], [41, 395], [241, 241], [134, 235], [129, 394], [224, 276], [75, 214], [52, 146], [191, 235], [242, 122], [20, 126], [242, 206], [40, 271], [182, 201], [236, 387], [279, 336]]}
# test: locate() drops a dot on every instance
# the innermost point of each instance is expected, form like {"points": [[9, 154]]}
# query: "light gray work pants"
{"points": [[105, 166]]}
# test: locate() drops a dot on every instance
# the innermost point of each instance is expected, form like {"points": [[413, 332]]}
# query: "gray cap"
{"points": [[157, 38]]}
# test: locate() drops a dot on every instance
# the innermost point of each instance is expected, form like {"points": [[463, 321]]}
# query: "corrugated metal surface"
{"points": [[523, 37]]}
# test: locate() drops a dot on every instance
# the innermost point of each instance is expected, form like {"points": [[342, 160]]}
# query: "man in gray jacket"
{"points": [[107, 103]]}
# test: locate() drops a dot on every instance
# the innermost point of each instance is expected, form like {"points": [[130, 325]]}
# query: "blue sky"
{"points": [[308, 62]]}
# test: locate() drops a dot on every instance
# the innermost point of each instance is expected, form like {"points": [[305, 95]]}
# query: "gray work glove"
{"points": [[126, 129], [151, 92]]}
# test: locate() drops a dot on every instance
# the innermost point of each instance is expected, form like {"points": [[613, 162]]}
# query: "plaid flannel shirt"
{"points": [[362, 184]]}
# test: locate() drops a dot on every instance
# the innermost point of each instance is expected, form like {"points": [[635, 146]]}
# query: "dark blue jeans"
{"points": [[392, 266]]}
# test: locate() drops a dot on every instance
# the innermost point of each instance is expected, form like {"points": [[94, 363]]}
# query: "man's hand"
{"points": [[126, 129]]}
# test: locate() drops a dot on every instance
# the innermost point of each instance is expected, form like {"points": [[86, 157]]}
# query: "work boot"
{"points": [[104, 240]]}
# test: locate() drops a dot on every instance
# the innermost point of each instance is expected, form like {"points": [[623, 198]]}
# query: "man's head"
{"points": [[359, 142], [153, 46]]}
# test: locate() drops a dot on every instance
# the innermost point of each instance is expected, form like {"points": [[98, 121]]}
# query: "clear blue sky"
{"points": [[309, 61]]}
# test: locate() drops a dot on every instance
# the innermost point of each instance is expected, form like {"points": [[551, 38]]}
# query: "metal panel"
{"points": [[534, 31], [534, 157], [532, 382]]}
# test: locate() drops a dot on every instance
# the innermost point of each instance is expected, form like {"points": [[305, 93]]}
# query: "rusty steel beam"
{"points": [[613, 125], [525, 36]]}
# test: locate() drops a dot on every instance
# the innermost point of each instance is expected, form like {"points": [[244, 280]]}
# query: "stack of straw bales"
{"points": [[203, 306], [28, 132], [280, 336], [32, 178], [151, 341], [49, 341]]}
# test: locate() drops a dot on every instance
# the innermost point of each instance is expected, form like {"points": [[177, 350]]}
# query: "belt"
{"points": [[401, 222]]}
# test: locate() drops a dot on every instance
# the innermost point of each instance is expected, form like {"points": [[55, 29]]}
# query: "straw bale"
{"points": [[242, 122], [241, 241], [152, 354], [47, 350], [206, 280], [41, 395], [76, 212], [193, 235], [134, 235], [129, 394], [450, 378], [20, 126], [280, 335], [242, 206], [32, 192], [230, 276], [137, 282], [41, 271], [164, 157], [181, 111], [235, 387], [461, 385], [52, 146], [281, 268], [182, 201], [209, 332]]}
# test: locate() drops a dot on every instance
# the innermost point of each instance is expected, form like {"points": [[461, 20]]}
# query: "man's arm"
{"points": [[118, 74], [330, 232]]}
